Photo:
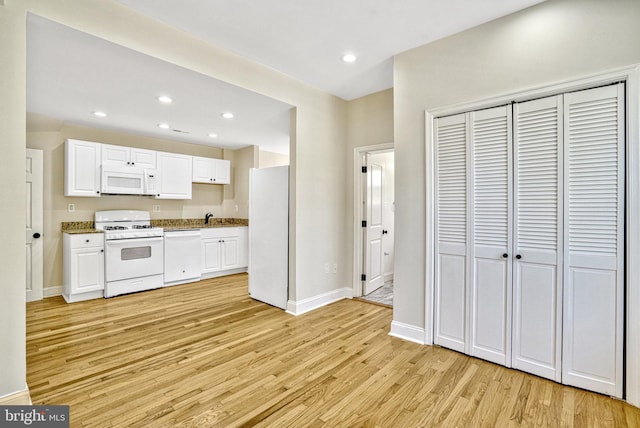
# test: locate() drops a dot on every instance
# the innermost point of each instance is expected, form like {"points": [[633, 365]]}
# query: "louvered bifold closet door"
{"points": [[490, 235], [451, 231], [594, 254], [537, 316]]}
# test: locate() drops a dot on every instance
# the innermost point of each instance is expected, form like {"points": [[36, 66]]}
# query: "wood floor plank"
{"points": [[205, 354]]}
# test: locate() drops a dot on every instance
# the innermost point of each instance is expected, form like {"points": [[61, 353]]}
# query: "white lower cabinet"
{"points": [[224, 250], [182, 256], [83, 266]]}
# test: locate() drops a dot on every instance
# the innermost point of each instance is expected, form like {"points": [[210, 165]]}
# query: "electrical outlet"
{"points": [[156, 208], [71, 208], [326, 267], [335, 267]]}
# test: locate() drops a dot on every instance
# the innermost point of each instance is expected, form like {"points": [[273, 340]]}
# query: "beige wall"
{"points": [[317, 232], [12, 201], [236, 195], [269, 159], [205, 198], [370, 122], [548, 43]]}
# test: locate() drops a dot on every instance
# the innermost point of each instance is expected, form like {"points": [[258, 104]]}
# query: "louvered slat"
{"points": [[592, 149], [452, 183], [537, 180], [490, 181]]}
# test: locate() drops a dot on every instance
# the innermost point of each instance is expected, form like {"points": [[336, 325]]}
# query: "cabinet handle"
{"points": [[128, 163], [505, 255], [133, 163], [518, 256], [102, 251], [97, 191], [87, 241]]}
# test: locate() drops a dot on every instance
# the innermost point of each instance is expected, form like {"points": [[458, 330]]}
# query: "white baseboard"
{"points": [[301, 306], [407, 332], [20, 398], [52, 291]]}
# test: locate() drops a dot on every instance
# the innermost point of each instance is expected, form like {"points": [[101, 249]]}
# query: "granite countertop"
{"points": [[78, 227]]}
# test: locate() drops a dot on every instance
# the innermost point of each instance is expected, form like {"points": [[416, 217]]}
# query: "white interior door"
{"points": [[451, 232], [374, 251], [34, 225], [490, 237], [537, 320], [594, 228]]}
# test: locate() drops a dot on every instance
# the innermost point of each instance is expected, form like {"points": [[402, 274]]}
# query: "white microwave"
{"points": [[121, 180]]}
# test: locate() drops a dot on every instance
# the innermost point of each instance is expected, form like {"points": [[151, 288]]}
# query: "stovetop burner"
{"points": [[141, 226], [115, 228]]}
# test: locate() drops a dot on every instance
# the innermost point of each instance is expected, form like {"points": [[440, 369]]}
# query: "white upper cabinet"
{"points": [[121, 155], [82, 168], [175, 173], [212, 171]]}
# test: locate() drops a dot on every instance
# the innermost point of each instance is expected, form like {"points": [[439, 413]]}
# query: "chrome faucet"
{"points": [[207, 216]]}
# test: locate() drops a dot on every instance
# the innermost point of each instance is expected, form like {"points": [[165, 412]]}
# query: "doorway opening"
{"points": [[374, 228]]}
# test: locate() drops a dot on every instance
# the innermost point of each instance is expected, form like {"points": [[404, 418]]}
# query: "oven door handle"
{"points": [[129, 241]]}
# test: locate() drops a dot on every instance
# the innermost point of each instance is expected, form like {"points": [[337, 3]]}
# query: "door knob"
{"points": [[36, 235], [384, 232]]}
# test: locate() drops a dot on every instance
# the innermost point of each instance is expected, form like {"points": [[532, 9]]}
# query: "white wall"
{"points": [[317, 160]]}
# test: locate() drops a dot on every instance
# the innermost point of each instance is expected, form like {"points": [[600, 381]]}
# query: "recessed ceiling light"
{"points": [[100, 114], [212, 135], [349, 57], [165, 99], [227, 115], [163, 125]]}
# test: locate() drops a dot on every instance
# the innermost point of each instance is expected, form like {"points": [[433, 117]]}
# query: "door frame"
{"points": [[630, 75], [359, 212]]}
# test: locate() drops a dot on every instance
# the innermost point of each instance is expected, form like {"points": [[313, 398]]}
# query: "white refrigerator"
{"points": [[269, 235]]}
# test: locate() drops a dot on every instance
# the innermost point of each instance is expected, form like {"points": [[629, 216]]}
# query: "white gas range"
{"points": [[134, 251]]}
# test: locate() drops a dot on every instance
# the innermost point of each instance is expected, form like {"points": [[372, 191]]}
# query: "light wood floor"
{"points": [[207, 355]]}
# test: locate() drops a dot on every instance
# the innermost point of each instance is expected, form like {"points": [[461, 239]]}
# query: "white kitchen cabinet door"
{"points": [[230, 253], [174, 176], [490, 205], [203, 170], [211, 171], [222, 171], [143, 158], [82, 168], [594, 164], [211, 254], [128, 156], [451, 232], [537, 330], [83, 266]]}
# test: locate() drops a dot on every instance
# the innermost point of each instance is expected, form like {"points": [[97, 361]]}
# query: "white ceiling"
{"points": [[306, 38], [70, 74]]}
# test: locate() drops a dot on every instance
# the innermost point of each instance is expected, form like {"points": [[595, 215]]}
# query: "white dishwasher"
{"points": [[182, 256]]}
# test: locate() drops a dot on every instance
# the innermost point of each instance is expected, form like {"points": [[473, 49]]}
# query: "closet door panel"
{"points": [[451, 232], [594, 254], [537, 316], [490, 235]]}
